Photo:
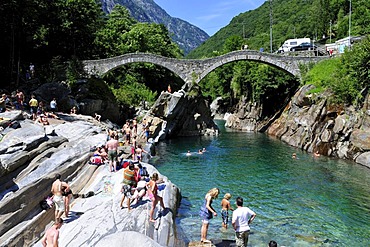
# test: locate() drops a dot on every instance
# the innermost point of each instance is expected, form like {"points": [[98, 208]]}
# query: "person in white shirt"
{"points": [[53, 105], [242, 218]]}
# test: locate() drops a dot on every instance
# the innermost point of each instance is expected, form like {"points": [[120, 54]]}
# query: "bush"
{"points": [[347, 76]]}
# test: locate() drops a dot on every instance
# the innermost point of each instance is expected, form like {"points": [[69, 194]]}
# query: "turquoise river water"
{"points": [[309, 201]]}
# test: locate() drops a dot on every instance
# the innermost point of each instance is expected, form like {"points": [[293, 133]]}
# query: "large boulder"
{"points": [[360, 138], [180, 114], [94, 96], [46, 92], [312, 124]]}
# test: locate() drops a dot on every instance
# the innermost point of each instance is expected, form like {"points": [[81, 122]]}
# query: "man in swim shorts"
{"points": [[225, 204], [57, 190], [112, 146]]}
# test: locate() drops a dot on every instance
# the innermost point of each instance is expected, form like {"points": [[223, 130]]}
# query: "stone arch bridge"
{"points": [[194, 70]]}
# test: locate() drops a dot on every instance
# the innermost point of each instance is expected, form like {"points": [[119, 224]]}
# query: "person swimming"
{"points": [[188, 153]]}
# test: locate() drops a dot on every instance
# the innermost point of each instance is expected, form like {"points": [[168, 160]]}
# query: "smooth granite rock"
{"points": [[98, 220]]}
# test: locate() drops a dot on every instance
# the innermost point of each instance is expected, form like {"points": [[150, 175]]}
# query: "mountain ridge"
{"points": [[186, 35]]}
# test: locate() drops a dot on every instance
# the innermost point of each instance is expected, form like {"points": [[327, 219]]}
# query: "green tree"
{"points": [[153, 38], [353, 73], [233, 43], [110, 40]]}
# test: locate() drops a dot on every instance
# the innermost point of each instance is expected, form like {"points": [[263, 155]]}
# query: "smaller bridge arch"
{"points": [[194, 70]]}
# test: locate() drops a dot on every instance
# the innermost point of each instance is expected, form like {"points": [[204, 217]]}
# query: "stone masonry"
{"points": [[194, 70]]}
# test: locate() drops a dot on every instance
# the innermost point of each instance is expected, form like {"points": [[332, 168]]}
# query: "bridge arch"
{"points": [[194, 70]]}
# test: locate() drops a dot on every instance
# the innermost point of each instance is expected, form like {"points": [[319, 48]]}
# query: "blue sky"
{"points": [[209, 15]]}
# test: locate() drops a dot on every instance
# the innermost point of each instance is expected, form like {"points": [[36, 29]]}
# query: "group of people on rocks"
{"points": [[241, 220], [137, 182], [136, 185], [37, 109], [130, 134], [15, 100]]}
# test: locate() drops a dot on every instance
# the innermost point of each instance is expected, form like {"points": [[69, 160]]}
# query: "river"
{"points": [[308, 201]]}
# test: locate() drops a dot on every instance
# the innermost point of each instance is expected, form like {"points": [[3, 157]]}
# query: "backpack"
{"points": [[14, 124], [144, 172]]}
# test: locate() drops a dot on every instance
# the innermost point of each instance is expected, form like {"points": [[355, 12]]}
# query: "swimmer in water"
{"points": [[188, 153]]}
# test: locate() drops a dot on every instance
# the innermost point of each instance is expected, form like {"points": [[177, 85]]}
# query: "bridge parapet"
{"points": [[194, 70]]}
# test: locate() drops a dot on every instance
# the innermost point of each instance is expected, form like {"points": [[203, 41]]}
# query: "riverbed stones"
{"points": [[364, 159], [361, 139]]}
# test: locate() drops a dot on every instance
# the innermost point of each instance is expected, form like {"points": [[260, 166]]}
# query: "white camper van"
{"points": [[291, 43]]}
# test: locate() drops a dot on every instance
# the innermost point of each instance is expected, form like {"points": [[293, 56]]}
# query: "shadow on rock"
{"points": [[73, 216]]}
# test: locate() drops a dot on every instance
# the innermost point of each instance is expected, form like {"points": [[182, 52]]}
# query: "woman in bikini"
{"points": [[153, 195]]}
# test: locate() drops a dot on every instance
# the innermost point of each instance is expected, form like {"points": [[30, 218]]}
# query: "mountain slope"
{"points": [[291, 19], [186, 35]]}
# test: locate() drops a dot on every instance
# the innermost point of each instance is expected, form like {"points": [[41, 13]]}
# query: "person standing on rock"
{"points": [[53, 105], [3, 103], [207, 212], [139, 152], [20, 100], [225, 205], [128, 132], [112, 146], [58, 188], [67, 196], [33, 104], [51, 236], [129, 182], [134, 125], [242, 218], [133, 148], [153, 195]]}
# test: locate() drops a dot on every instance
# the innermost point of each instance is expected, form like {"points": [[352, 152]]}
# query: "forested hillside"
{"points": [[56, 35], [291, 18]]}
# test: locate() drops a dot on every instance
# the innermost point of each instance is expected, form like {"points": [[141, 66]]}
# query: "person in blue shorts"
{"points": [[225, 205]]}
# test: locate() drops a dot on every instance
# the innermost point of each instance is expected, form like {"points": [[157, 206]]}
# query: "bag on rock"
{"points": [[96, 160], [47, 203], [144, 172]]}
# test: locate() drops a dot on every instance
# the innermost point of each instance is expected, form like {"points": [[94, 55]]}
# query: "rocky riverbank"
{"points": [[312, 123], [30, 157]]}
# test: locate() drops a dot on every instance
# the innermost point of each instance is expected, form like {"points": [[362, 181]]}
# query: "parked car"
{"points": [[304, 47], [289, 43]]}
